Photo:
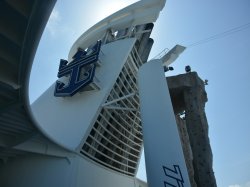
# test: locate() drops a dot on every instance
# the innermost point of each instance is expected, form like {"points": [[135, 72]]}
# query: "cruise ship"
{"points": [[86, 128]]}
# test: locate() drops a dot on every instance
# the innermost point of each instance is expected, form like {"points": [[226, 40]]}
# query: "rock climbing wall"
{"points": [[188, 97]]}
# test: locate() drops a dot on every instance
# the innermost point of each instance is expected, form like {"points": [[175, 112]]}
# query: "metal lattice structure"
{"points": [[115, 140]]}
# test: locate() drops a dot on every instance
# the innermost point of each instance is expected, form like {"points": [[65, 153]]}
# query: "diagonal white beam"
{"points": [[119, 99]]}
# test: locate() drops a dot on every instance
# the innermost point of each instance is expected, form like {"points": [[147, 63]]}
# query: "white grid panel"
{"points": [[115, 140]]}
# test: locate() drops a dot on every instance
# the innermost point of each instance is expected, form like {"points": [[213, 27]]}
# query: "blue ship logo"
{"points": [[174, 176], [80, 71]]}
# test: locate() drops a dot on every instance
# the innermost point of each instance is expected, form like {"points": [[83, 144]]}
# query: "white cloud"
{"points": [[54, 22], [244, 185], [247, 184], [58, 27]]}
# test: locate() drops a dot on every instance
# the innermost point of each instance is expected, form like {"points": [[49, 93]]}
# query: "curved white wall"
{"points": [[141, 12], [65, 120], [47, 171]]}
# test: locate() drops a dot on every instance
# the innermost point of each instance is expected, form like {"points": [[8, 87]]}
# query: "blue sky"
{"points": [[224, 61]]}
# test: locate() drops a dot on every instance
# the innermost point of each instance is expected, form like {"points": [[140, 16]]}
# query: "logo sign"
{"points": [[174, 176], [78, 73]]}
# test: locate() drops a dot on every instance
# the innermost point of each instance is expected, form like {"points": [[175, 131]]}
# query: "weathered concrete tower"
{"points": [[188, 97]]}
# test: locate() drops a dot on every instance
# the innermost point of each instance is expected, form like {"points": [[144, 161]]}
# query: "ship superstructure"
{"points": [[91, 135]]}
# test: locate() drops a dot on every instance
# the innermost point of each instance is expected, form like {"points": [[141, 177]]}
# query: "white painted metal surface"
{"points": [[103, 127], [172, 55], [141, 12], [164, 157], [115, 139], [67, 120], [47, 171], [60, 119]]}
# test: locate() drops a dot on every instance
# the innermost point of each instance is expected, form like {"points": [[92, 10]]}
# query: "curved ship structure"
{"points": [[101, 121], [85, 130]]}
